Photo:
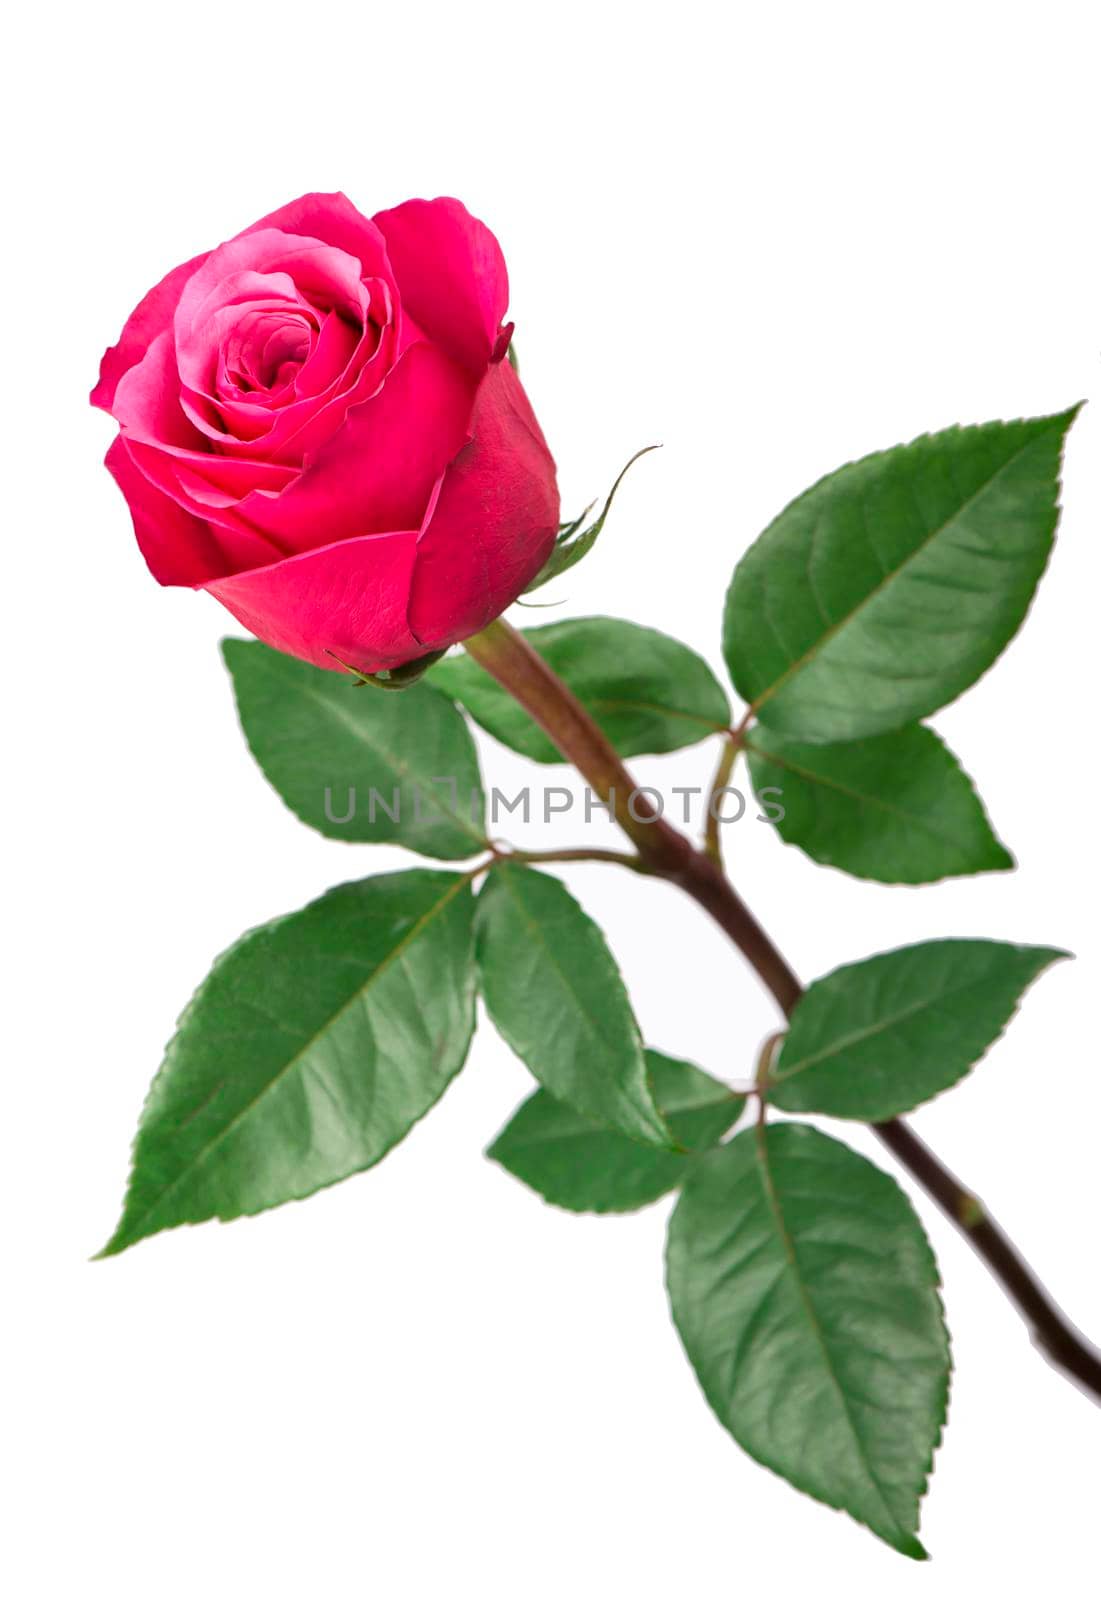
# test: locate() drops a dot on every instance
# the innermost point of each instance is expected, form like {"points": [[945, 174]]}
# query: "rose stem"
{"points": [[669, 854]]}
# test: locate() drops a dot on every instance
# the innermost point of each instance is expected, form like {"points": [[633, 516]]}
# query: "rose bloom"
{"points": [[318, 425]]}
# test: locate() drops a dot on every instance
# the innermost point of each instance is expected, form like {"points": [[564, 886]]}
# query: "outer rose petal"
{"points": [[350, 598], [451, 275], [178, 548], [334, 220], [494, 522], [151, 316]]}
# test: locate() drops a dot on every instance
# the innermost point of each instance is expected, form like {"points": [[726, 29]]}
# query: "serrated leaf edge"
{"points": [[882, 1113], [912, 1546], [121, 1239]]}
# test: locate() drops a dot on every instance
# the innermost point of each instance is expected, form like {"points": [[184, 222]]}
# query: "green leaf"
{"points": [[877, 1038], [897, 808], [573, 1163], [555, 994], [888, 588], [400, 767], [574, 542], [313, 1046], [647, 692], [806, 1295]]}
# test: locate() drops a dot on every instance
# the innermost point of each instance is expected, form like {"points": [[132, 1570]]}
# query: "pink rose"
{"points": [[317, 424]]}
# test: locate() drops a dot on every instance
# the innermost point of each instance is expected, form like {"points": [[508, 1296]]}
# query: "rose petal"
{"points": [[178, 548], [335, 346], [147, 400], [494, 522], [211, 486], [150, 317], [349, 598], [334, 220], [451, 275], [172, 473]]}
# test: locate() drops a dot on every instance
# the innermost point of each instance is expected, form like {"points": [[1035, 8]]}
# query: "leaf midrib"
{"points": [[621, 703], [772, 1199]]}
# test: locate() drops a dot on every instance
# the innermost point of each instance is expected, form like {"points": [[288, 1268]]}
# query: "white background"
{"points": [[773, 238]]}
